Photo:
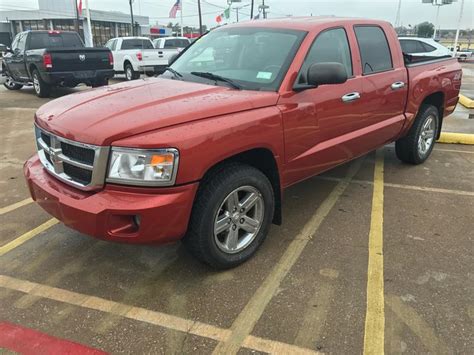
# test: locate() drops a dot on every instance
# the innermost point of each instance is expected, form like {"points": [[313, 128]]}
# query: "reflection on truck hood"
{"points": [[106, 114]]}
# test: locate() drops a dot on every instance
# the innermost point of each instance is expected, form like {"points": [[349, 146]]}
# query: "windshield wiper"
{"points": [[216, 77], [175, 73]]}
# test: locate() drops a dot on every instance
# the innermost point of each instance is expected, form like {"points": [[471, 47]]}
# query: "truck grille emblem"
{"points": [[82, 57]]}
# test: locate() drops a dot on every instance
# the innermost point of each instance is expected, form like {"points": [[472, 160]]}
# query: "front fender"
{"points": [[203, 144]]}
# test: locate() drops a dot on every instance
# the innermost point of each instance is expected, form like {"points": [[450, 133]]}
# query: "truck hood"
{"points": [[104, 115]]}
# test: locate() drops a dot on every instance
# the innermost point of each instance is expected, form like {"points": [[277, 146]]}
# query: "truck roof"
{"points": [[306, 23]]}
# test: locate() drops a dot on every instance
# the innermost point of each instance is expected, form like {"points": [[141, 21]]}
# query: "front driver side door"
{"points": [[16, 60], [323, 125]]}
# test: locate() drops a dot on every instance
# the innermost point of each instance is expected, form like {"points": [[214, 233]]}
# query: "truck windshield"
{"points": [[254, 58], [40, 40]]}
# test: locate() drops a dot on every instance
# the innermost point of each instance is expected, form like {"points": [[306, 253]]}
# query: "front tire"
{"points": [[418, 144], [231, 216], [42, 89], [10, 83]]}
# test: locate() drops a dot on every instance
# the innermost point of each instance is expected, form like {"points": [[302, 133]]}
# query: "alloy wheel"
{"points": [[426, 138], [36, 83], [239, 219]]}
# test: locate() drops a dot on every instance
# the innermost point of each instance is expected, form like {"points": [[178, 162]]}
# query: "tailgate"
{"points": [[74, 59], [152, 57]]}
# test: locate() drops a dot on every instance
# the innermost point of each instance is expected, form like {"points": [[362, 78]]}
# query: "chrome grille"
{"points": [[77, 164]]}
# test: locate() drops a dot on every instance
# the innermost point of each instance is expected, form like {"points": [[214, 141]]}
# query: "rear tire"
{"points": [[10, 83], [418, 144], [231, 216], [130, 74], [42, 89]]}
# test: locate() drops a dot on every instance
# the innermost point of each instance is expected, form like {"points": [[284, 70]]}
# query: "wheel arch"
{"points": [[262, 159], [437, 100]]}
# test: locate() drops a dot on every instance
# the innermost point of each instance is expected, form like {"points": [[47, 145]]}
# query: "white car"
{"points": [[169, 46], [135, 55], [462, 55], [423, 47]]}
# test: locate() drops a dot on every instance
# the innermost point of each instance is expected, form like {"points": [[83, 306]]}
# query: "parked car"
{"points": [[204, 152], [135, 55], [461, 54], [423, 47], [171, 46], [46, 59]]}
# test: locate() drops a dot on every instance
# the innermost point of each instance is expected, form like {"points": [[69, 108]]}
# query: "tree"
{"points": [[425, 29]]}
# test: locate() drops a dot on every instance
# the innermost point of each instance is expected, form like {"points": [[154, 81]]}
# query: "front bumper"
{"points": [[109, 214], [89, 77]]}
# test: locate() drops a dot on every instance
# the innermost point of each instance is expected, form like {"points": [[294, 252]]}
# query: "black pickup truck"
{"points": [[46, 59]]}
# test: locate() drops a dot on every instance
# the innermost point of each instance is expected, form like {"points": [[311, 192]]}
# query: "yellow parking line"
{"points": [[15, 205], [375, 316], [164, 320], [466, 101], [402, 186], [456, 138], [454, 151], [245, 322], [27, 236]]}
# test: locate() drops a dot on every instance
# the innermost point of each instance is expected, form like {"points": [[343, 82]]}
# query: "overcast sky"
{"points": [[412, 11]]}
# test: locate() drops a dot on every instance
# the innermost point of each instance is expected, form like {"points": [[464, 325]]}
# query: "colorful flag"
{"points": [[227, 13], [175, 8], [79, 8]]}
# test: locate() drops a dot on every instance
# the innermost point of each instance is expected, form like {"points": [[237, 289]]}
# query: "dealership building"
{"points": [[61, 15]]}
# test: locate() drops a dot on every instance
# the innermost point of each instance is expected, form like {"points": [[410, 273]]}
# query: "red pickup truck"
{"points": [[204, 152]]}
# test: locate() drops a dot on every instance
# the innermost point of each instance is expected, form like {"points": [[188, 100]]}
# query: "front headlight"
{"points": [[157, 167]]}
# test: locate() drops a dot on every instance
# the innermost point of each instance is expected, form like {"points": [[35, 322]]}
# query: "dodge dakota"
{"points": [[54, 58], [204, 152]]}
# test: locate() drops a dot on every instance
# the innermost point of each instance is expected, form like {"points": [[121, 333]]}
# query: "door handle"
{"points": [[350, 97], [398, 85]]}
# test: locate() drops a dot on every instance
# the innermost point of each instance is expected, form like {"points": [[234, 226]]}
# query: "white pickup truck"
{"points": [[169, 46], [135, 55]]}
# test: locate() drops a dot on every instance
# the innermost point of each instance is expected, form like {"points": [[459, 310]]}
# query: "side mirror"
{"points": [[326, 74]]}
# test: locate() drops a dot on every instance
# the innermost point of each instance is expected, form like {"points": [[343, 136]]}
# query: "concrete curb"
{"points": [[466, 101], [456, 138]]}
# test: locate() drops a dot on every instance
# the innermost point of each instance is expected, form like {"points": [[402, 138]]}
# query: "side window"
{"points": [[374, 50], [15, 41], [111, 44], [428, 47], [22, 42], [330, 46]]}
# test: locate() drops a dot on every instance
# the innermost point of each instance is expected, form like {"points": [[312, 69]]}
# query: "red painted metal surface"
{"points": [[307, 132], [108, 214], [27, 341]]}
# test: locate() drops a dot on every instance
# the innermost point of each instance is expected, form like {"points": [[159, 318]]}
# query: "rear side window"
{"points": [[176, 43], [137, 43], [330, 46], [111, 44], [40, 40], [411, 46], [374, 50], [428, 47]]}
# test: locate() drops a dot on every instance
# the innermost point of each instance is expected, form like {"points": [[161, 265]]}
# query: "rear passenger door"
{"points": [[384, 84]]}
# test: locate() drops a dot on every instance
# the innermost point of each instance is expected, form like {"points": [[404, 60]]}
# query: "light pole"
{"points": [[397, 19], [131, 15], [438, 4], [455, 49], [237, 11]]}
